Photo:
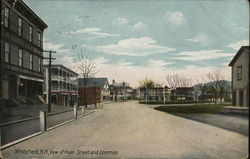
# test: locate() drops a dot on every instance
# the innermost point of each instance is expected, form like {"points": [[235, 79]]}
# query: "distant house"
{"points": [[119, 91], [132, 93], [182, 94], [63, 85], [155, 94], [97, 82], [240, 77]]}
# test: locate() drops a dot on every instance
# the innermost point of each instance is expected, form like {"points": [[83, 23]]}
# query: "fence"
{"points": [[15, 132]]}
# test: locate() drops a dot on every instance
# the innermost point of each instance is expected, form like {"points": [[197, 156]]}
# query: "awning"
{"points": [[30, 78]]}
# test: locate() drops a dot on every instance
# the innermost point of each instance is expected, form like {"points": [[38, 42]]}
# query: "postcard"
{"points": [[165, 79]]}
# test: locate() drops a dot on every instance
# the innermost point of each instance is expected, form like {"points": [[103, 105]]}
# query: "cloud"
{"points": [[139, 26], [200, 38], [93, 31], [176, 18], [120, 22], [238, 44], [202, 55], [125, 71], [55, 47], [244, 28], [134, 47], [159, 63]]}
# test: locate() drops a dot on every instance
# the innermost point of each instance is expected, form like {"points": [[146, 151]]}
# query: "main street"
{"points": [[129, 129]]}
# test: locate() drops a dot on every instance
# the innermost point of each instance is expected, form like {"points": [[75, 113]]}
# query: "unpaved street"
{"points": [[129, 129]]}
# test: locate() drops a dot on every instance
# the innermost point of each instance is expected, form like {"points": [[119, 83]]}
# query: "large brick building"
{"points": [[21, 51], [98, 82], [89, 95]]}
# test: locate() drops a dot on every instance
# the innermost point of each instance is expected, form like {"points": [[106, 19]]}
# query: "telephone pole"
{"points": [[49, 82]]}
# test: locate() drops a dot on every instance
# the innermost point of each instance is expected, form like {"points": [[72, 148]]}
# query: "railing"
{"points": [[15, 132], [62, 89], [65, 79]]}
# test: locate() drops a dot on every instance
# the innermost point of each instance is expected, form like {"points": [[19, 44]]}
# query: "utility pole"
{"points": [[1, 75], [95, 95], [49, 82]]}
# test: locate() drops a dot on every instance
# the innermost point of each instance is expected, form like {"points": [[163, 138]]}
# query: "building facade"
{"points": [[120, 91], [102, 83], [240, 77], [183, 94], [161, 94], [21, 51], [89, 95], [63, 85]]}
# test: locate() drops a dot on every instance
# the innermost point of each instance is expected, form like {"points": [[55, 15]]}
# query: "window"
{"points": [[7, 52], [30, 33], [20, 26], [31, 61], [239, 73], [6, 17], [39, 39], [39, 65], [20, 57]]}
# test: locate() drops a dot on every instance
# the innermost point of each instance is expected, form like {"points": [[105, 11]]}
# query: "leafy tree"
{"points": [[146, 83]]}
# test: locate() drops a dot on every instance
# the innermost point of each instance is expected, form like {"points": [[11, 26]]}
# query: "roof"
{"points": [[238, 54], [184, 88], [62, 66], [159, 87], [93, 82], [28, 13]]}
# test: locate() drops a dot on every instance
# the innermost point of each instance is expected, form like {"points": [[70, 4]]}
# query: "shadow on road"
{"points": [[239, 124]]}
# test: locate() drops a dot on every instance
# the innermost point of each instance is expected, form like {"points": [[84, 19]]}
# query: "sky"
{"points": [[130, 40]]}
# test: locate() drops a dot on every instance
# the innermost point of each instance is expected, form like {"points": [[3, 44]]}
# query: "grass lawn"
{"points": [[160, 102], [206, 108]]}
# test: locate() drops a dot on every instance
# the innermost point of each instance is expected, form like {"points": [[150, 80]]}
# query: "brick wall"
{"points": [[93, 94]]}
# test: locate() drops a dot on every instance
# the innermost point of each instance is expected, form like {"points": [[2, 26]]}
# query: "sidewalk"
{"points": [[235, 110], [28, 111]]}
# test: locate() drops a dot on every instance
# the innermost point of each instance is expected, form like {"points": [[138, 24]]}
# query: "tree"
{"points": [[202, 86], [217, 84], [122, 89], [175, 80], [87, 69], [146, 84]]}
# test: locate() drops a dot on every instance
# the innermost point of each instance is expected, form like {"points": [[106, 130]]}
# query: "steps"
{"points": [[9, 103]]}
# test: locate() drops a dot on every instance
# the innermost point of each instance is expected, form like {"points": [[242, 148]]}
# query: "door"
{"points": [[65, 100], [234, 98], [241, 98], [12, 86], [53, 99]]}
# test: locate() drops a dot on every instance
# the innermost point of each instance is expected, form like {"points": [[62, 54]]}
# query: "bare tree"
{"points": [[87, 69], [202, 87], [176, 80], [217, 84]]}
